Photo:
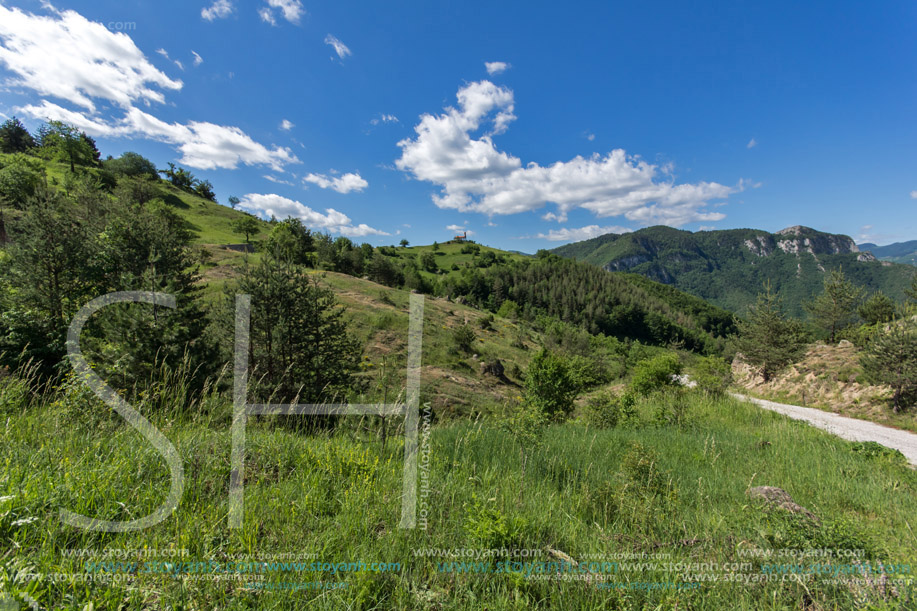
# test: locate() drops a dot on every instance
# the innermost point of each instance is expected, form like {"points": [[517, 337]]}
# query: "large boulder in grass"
{"points": [[781, 499]]}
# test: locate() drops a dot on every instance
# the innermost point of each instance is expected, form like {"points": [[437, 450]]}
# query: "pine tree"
{"points": [[835, 309], [877, 309], [300, 346], [891, 358], [767, 339]]}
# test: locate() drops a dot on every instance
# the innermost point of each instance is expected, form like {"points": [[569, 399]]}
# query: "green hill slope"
{"points": [[729, 267]]}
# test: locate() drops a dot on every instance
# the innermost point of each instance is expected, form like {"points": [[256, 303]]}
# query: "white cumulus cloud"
{"points": [[203, 145], [496, 67], [281, 207], [751, 143], [340, 48], [198, 60], [914, 194], [343, 184], [455, 150], [286, 125], [292, 11], [220, 9], [68, 57]]}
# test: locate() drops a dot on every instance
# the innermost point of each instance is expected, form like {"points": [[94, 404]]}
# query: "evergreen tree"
{"points": [[835, 308], [767, 339], [300, 346], [877, 309], [891, 358], [14, 137], [147, 248]]}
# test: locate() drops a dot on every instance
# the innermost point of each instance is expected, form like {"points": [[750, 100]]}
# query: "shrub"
{"points": [[606, 411], [508, 309], [486, 323], [655, 374], [550, 386], [713, 375], [588, 371], [463, 337]]}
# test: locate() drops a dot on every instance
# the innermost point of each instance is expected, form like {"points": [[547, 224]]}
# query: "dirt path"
{"points": [[846, 428]]}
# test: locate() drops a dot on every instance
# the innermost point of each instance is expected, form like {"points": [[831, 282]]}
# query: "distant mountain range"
{"points": [[729, 267], [899, 252]]}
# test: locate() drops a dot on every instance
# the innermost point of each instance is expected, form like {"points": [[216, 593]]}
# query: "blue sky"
{"points": [[529, 125]]}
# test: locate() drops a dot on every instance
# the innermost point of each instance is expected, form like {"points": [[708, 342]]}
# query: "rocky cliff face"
{"points": [[798, 239]]}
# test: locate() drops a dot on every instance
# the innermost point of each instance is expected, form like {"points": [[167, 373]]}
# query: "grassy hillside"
{"points": [[209, 221], [729, 267]]}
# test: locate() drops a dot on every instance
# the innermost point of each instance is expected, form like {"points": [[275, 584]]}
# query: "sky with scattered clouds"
{"points": [[527, 129]]}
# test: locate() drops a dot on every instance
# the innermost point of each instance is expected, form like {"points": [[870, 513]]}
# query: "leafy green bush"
{"points": [[713, 375], [550, 385], [655, 373], [606, 411], [508, 309]]}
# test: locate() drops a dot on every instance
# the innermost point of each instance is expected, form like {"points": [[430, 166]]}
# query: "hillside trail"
{"points": [[851, 429]]}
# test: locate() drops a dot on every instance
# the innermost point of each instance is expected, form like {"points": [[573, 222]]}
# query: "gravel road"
{"points": [[846, 428]]}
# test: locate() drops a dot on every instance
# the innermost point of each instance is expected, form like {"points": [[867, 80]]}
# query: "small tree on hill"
{"points": [[404, 243], [891, 358], [835, 309], [68, 143], [14, 137], [767, 339], [246, 225], [204, 189]]}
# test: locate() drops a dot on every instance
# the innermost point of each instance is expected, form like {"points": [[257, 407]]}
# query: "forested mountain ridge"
{"points": [[729, 267], [899, 252]]}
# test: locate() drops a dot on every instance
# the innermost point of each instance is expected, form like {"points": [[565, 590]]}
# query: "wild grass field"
{"points": [[670, 483]]}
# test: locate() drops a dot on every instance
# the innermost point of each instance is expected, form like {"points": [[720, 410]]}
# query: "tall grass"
{"points": [[657, 485]]}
